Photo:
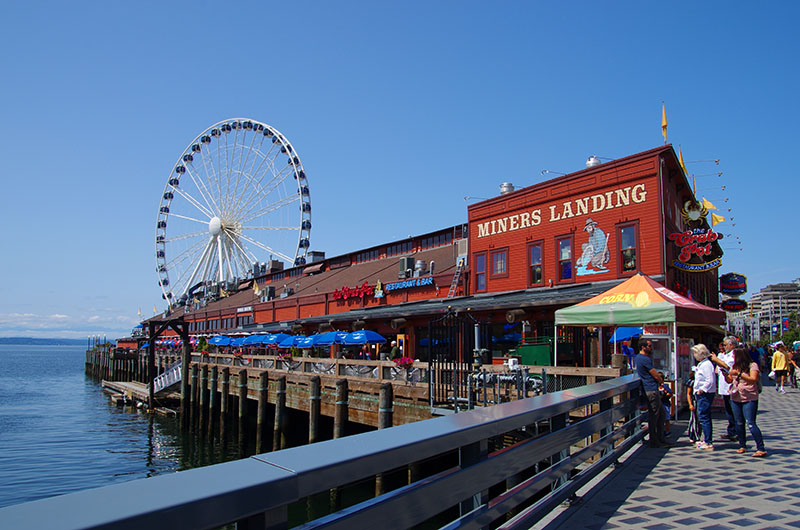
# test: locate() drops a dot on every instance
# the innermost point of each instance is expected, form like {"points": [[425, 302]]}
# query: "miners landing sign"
{"points": [[566, 210]]}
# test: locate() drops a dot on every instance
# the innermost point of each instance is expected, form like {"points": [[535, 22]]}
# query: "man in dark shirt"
{"points": [[651, 380]]}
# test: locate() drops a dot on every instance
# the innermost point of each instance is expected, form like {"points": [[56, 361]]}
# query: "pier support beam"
{"points": [[203, 399], [385, 416], [212, 400], [242, 406], [314, 409], [340, 411], [224, 402], [261, 419], [195, 398], [278, 433]]}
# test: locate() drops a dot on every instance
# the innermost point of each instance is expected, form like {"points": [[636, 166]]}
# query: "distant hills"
{"points": [[31, 341]]}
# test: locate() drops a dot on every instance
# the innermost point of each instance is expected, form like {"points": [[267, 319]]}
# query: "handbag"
{"points": [[771, 375]]}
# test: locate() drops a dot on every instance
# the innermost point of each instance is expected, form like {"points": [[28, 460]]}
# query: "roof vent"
{"points": [[506, 187], [593, 161]]}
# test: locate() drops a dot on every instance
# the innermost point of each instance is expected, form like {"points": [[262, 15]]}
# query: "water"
{"points": [[59, 432]]}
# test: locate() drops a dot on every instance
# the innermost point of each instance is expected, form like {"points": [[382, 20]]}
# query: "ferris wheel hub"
{"points": [[215, 226]]}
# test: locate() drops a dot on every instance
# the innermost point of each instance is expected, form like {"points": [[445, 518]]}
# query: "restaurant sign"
{"points": [[699, 267], [695, 243], [407, 284], [733, 283], [353, 292], [733, 305], [659, 329]]}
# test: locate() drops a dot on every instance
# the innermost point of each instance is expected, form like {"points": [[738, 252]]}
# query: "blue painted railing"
{"points": [[583, 430]]}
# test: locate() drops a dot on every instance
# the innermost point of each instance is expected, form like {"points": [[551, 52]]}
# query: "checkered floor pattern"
{"points": [[684, 487]]}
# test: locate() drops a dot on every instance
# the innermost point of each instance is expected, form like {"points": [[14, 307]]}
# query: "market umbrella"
{"points": [[290, 341], [624, 333], [238, 341], [220, 340], [253, 340], [307, 342], [330, 337], [363, 336], [276, 338]]}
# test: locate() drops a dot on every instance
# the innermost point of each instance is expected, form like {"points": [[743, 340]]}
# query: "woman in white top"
{"points": [[705, 388]]}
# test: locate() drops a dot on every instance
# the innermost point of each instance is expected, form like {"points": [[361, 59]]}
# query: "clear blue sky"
{"points": [[397, 113]]}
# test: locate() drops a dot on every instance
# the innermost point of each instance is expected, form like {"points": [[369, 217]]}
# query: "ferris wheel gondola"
{"points": [[237, 196]]}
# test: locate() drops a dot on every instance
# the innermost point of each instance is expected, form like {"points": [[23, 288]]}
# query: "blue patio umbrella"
{"points": [[624, 333], [363, 336], [238, 341], [290, 341], [220, 340], [330, 337], [307, 342], [253, 340], [275, 338], [145, 345]]}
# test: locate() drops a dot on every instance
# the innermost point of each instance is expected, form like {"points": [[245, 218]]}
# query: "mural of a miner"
{"points": [[595, 252]]}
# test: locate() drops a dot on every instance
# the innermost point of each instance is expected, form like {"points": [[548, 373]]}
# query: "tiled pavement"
{"points": [[684, 487]]}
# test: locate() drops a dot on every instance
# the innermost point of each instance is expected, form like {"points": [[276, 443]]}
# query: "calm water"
{"points": [[59, 432]]}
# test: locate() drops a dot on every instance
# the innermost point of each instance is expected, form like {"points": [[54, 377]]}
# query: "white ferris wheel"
{"points": [[236, 197]]}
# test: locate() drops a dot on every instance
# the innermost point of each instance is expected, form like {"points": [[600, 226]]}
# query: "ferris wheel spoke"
{"points": [[183, 193], [220, 269], [190, 218], [204, 257], [182, 256], [186, 236], [248, 257], [268, 249], [271, 208], [228, 258], [242, 164], [210, 174], [294, 228], [187, 278], [201, 188], [270, 186]]}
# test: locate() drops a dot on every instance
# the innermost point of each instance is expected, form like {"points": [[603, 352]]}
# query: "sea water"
{"points": [[60, 433]]}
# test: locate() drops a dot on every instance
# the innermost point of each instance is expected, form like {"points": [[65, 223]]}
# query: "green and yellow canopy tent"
{"points": [[638, 301]]}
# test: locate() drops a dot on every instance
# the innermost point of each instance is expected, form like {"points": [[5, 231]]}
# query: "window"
{"points": [[367, 255], [627, 248], [480, 272], [535, 264], [565, 258], [499, 263], [398, 248]]}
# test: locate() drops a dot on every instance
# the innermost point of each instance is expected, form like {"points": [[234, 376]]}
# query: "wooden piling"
{"points": [[195, 398], [385, 416], [212, 400], [314, 402], [261, 419], [242, 385], [224, 402], [203, 399], [278, 434], [340, 412]]}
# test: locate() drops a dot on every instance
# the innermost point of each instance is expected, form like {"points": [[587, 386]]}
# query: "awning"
{"points": [[317, 267], [624, 333]]}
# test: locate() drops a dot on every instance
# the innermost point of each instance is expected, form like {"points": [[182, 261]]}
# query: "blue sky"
{"points": [[397, 112]]}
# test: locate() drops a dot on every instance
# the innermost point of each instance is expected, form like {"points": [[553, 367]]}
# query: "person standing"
{"points": [[780, 364], [743, 378], [395, 353], [724, 362], [651, 380], [705, 388]]}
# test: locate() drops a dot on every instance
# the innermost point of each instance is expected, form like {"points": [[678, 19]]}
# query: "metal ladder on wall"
{"points": [[170, 376], [457, 276]]}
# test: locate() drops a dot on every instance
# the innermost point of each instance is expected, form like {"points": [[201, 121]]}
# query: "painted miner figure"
{"points": [[595, 252]]}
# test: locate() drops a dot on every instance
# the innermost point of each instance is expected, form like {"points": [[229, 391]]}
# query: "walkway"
{"points": [[684, 487]]}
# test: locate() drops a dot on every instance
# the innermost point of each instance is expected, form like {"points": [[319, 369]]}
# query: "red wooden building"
{"points": [[521, 256]]}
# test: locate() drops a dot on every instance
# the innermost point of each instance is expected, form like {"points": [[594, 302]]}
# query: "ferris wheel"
{"points": [[236, 197]]}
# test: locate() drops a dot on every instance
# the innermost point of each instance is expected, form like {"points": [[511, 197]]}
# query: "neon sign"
{"points": [[353, 292], [696, 242], [415, 282]]}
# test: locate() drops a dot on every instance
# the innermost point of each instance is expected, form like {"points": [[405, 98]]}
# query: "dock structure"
{"points": [[264, 397]]}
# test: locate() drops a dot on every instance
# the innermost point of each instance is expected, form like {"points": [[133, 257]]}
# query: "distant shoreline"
{"points": [[32, 341]]}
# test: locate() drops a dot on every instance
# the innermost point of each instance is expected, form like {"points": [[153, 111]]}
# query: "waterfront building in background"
{"points": [[518, 258]]}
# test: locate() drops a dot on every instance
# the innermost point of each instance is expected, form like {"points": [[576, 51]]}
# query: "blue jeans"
{"points": [[704, 414], [731, 430], [746, 413]]}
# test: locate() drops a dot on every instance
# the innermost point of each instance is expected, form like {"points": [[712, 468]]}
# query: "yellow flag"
{"points": [[222, 293], [140, 312], [707, 204], [256, 290], [694, 186], [716, 219], [154, 309], [680, 158], [664, 121]]}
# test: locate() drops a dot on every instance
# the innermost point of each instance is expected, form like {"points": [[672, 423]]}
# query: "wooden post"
{"points": [[242, 405], [186, 360], [278, 434], [212, 400], [203, 398], [263, 403], [195, 398], [224, 402], [314, 403], [385, 416], [340, 412]]}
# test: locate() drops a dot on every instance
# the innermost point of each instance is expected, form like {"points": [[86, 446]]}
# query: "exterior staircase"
{"points": [[456, 277], [170, 376]]}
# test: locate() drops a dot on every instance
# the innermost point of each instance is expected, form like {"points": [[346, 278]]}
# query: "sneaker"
{"points": [[700, 445], [707, 447], [782, 391]]}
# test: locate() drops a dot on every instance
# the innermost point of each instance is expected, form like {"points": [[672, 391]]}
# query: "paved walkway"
{"points": [[684, 487]]}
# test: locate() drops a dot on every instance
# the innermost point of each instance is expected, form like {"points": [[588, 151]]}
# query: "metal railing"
{"points": [[501, 445], [171, 376]]}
